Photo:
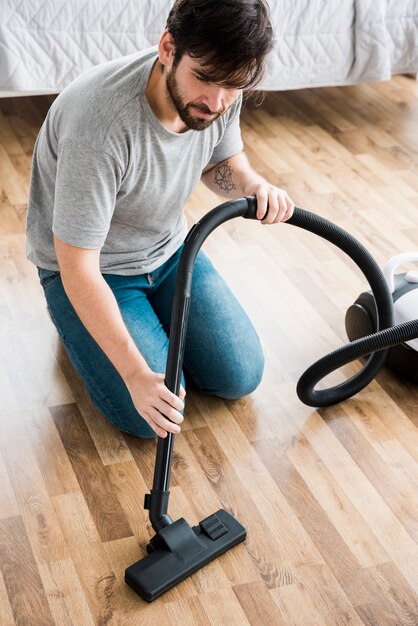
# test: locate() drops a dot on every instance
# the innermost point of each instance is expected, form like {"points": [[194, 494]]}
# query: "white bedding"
{"points": [[341, 42], [45, 44]]}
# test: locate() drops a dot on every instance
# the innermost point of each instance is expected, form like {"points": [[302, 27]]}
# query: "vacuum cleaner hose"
{"points": [[375, 345], [376, 342]]}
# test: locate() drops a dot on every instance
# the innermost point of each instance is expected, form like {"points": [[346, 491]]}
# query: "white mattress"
{"points": [[45, 44]]}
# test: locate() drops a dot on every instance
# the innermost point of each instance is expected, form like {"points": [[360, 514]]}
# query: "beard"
{"points": [[185, 111]]}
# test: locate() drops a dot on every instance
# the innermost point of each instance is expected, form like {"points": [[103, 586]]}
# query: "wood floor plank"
{"points": [[7, 394], [21, 575], [386, 174], [188, 473], [298, 313], [382, 225], [6, 614], [347, 521], [99, 494], [389, 530], [28, 392], [280, 367], [9, 220], [130, 487], [403, 407], [327, 595], [395, 456], [272, 549], [223, 607], [66, 599], [24, 120], [395, 488], [297, 606], [8, 137], [381, 421], [94, 572], [193, 418], [395, 602], [395, 445], [110, 443], [362, 586], [187, 613], [8, 503], [318, 110], [266, 497], [15, 186], [266, 553], [246, 412], [258, 604], [332, 295], [30, 363], [267, 154], [398, 590], [143, 452], [35, 505], [345, 567], [50, 453]]}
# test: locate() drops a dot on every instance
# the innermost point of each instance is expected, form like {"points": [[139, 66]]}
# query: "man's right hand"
{"points": [[155, 402]]}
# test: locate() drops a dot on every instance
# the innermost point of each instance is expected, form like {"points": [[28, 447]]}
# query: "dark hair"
{"points": [[230, 38]]}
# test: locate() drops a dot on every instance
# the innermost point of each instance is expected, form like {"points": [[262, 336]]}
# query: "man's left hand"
{"points": [[280, 206]]}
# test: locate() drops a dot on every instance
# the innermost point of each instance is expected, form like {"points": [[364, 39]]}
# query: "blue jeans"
{"points": [[223, 356]]}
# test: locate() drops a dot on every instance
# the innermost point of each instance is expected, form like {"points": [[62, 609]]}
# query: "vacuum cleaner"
{"points": [[361, 317], [177, 549]]}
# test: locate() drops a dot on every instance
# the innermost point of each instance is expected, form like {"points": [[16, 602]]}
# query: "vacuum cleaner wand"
{"points": [[177, 550]]}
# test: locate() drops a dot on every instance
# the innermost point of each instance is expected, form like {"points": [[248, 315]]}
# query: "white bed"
{"points": [[45, 44]]}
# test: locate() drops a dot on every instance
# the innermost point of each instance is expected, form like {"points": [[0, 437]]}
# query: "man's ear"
{"points": [[166, 49]]}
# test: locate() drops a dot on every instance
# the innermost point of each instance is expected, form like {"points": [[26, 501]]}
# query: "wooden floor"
{"points": [[329, 497]]}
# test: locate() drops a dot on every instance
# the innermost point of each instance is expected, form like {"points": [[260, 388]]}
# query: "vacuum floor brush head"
{"points": [[178, 550]]}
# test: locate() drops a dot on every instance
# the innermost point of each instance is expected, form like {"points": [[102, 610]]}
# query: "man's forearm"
{"points": [[232, 178], [98, 310]]}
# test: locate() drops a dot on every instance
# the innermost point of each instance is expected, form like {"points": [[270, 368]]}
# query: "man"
{"points": [[119, 153]]}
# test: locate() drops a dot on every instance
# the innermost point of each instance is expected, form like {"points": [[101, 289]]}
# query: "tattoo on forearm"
{"points": [[223, 177]]}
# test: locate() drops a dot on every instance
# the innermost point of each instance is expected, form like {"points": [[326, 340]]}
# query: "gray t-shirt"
{"points": [[106, 173]]}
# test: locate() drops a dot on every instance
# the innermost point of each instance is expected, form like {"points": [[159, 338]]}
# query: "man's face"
{"points": [[198, 102]]}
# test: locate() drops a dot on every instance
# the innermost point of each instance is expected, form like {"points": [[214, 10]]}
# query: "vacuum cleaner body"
{"points": [[361, 318]]}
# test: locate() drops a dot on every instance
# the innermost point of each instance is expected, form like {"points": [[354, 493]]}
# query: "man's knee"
{"points": [[239, 377], [243, 383]]}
